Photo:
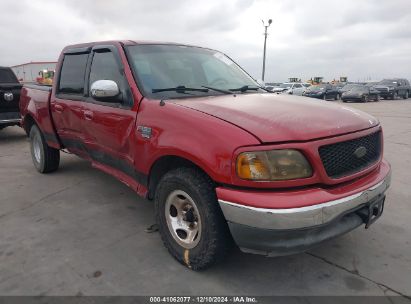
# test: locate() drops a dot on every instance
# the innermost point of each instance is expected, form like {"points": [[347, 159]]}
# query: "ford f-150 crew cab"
{"points": [[222, 159]]}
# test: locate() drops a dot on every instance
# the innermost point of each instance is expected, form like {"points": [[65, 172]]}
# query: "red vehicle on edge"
{"points": [[223, 159]]}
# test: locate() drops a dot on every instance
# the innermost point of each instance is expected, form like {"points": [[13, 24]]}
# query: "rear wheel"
{"points": [[45, 158], [190, 221]]}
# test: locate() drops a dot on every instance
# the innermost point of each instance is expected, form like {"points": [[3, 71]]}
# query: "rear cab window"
{"points": [[72, 74], [7, 76]]}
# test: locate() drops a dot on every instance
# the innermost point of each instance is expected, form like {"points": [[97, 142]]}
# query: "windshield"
{"points": [[159, 67], [7, 76], [349, 87], [388, 82], [359, 89], [317, 87]]}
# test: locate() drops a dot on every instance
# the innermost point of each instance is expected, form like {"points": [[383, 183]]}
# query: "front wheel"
{"points": [[394, 96], [190, 221], [45, 158]]}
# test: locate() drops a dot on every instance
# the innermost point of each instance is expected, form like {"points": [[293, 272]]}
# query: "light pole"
{"points": [[265, 43]]}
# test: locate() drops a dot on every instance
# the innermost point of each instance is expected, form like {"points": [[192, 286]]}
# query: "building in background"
{"points": [[30, 72]]}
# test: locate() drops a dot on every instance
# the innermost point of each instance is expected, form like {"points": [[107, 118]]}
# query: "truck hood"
{"points": [[280, 118], [384, 87]]}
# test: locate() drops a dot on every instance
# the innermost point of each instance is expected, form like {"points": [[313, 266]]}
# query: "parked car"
{"points": [[347, 87], [292, 88], [361, 93], [221, 158], [9, 98], [322, 91], [271, 85], [393, 88]]}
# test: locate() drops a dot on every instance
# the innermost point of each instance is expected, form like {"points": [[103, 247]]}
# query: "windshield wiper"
{"points": [[180, 89], [218, 90], [245, 89]]}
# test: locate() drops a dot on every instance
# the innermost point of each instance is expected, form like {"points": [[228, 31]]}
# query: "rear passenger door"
{"points": [[67, 103], [109, 126]]}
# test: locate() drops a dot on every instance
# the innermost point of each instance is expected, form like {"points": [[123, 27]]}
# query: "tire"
{"points": [[45, 158], [407, 95], [191, 191]]}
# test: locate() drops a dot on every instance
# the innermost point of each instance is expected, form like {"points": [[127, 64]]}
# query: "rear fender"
{"points": [[35, 109]]}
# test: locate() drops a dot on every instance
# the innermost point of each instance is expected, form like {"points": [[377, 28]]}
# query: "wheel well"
{"points": [[164, 165], [28, 123]]}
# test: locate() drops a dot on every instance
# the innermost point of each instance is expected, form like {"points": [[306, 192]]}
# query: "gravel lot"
{"points": [[80, 231]]}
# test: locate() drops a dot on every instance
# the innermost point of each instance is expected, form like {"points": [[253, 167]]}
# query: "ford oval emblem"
{"points": [[8, 96], [360, 152]]}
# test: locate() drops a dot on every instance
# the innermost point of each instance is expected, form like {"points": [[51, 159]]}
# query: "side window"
{"points": [[105, 67], [72, 74], [298, 86]]}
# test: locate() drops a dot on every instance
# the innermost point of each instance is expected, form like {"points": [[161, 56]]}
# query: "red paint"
{"points": [[210, 132], [307, 196]]}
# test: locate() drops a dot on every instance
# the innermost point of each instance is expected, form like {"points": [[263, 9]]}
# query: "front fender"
{"points": [[204, 140]]}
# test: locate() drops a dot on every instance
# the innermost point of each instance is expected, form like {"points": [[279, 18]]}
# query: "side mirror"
{"points": [[104, 90]]}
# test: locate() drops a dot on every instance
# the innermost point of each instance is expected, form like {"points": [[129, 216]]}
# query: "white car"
{"points": [[294, 88]]}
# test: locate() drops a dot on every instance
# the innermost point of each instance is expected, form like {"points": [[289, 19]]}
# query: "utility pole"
{"points": [[265, 44]]}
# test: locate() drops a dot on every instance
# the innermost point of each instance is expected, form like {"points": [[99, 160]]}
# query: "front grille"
{"points": [[382, 89], [348, 157]]}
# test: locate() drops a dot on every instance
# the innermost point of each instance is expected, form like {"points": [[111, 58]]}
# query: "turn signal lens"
{"points": [[273, 165]]}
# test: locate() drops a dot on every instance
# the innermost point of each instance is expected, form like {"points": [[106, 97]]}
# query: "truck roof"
{"points": [[125, 42]]}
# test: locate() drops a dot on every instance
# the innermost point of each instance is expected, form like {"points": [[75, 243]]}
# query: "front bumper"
{"points": [[9, 118], [320, 96], [352, 98], [386, 94], [276, 232]]}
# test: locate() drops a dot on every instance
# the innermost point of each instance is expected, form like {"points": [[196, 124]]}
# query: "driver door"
{"points": [[109, 126]]}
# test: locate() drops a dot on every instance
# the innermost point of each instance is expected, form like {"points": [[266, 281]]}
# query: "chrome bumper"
{"points": [[296, 218], [10, 121]]}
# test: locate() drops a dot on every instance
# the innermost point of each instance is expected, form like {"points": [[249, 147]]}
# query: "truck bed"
{"points": [[37, 99]]}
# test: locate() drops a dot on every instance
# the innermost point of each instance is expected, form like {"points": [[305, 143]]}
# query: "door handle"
{"points": [[88, 115], [58, 108]]}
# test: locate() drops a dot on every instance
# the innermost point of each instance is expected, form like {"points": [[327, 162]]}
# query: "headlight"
{"points": [[272, 165]]}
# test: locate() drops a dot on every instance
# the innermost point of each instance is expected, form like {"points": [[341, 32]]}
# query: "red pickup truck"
{"points": [[223, 159]]}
